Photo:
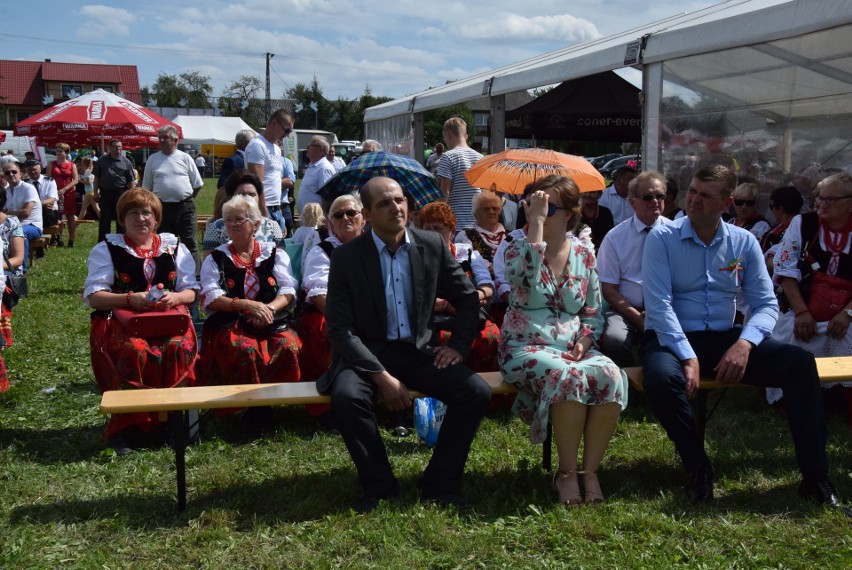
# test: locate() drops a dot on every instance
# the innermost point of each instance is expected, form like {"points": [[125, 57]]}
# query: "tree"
{"points": [[241, 98], [305, 95], [170, 90]]}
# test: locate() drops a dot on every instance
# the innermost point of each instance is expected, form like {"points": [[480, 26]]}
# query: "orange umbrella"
{"points": [[511, 170]]}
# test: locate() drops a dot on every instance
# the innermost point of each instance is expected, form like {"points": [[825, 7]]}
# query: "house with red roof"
{"points": [[25, 85]]}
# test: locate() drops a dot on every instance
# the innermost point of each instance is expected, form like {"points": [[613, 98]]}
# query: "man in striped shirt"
{"points": [[451, 168]]}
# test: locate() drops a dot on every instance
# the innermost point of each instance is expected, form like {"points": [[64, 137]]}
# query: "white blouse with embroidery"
{"points": [[101, 274]]}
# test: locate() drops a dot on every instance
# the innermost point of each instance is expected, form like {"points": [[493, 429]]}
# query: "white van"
{"points": [[20, 145]]}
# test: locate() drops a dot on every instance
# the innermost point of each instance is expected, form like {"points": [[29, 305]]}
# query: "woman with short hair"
{"points": [[122, 271]]}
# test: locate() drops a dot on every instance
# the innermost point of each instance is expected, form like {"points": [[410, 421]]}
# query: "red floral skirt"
{"points": [[6, 323], [315, 357], [122, 362], [233, 356], [483, 352]]}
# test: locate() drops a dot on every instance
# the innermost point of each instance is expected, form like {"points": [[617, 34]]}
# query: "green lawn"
{"points": [[282, 501]]}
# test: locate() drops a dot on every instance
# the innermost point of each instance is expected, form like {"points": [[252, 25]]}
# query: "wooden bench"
{"points": [[178, 401], [830, 369], [38, 244]]}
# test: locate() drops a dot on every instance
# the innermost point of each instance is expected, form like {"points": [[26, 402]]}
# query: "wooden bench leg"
{"points": [[178, 428]]}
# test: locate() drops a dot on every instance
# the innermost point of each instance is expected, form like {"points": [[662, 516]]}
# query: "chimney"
{"points": [[46, 60]]}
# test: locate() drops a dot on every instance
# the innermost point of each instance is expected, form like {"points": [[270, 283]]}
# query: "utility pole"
{"points": [[269, 56]]}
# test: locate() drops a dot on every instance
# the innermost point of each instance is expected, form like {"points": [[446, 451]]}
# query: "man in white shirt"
{"points": [[337, 162], [22, 201], [615, 197], [264, 159], [319, 171], [171, 174], [47, 192], [200, 163], [620, 268]]}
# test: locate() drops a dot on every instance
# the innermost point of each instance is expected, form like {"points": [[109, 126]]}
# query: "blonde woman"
{"points": [[89, 185]]}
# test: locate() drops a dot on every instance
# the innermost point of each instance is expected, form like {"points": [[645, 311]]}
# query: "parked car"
{"points": [[599, 161], [607, 169]]}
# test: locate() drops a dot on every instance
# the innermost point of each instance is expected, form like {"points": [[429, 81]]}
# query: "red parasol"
{"points": [[2, 136], [93, 118]]}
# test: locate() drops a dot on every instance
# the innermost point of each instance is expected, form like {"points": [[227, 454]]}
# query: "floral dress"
{"points": [[547, 315]]}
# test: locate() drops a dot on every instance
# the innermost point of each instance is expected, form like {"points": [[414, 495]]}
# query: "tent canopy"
{"points": [[601, 107], [203, 129]]}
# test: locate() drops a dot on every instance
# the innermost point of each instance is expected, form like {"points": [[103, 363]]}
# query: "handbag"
{"points": [[828, 295], [18, 286], [168, 323]]}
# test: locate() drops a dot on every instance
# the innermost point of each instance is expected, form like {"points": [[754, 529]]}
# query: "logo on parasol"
{"points": [[144, 129], [136, 111], [75, 126], [96, 111]]}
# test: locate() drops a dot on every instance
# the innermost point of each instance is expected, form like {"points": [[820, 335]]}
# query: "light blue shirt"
{"points": [[288, 172], [690, 286], [396, 280]]}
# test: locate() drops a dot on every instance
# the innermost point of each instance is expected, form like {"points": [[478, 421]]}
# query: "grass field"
{"points": [[282, 501]]}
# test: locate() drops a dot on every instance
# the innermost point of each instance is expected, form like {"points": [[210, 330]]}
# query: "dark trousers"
{"points": [[463, 391], [108, 202], [179, 219], [770, 364]]}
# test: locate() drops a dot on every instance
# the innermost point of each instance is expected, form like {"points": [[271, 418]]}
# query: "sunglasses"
{"points": [[9, 172], [650, 197], [745, 202], [350, 213], [551, 209]]}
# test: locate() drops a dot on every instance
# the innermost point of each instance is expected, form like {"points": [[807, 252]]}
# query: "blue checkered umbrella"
{"points": [[415, 180]]}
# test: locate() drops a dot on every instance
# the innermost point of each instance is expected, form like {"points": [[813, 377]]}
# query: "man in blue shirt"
{"points": [[692, 271], [381, 295]]}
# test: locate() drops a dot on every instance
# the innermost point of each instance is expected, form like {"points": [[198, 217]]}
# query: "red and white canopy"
{"points": [[93, 118]]}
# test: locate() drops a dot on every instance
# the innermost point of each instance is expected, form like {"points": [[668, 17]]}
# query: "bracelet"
{"points": [[802, 312], [129, 293], [234, 304]]}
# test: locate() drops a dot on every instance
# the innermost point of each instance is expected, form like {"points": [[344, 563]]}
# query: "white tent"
{"points": [[736, 67], [201, 129]]}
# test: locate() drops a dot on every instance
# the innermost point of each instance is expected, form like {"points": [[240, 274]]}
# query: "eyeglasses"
{"points": [[830, 200], [145, 214], [745, 202], [650, 197], [235, 221], [10, 172], [551, 209], [349, 213]]}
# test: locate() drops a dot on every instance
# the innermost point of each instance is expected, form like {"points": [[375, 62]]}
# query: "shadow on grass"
{"points": [[312, 497], [53, 446]]}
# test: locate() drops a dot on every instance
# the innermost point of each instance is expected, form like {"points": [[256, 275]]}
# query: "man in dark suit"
{"points": [[381, 293], [238, 160]]}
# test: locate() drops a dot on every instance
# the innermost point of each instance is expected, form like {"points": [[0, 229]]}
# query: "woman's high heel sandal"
{"points": [[591, 488], [567, 488]]}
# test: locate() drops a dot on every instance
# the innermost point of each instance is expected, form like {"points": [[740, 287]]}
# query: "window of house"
{"points": [[480, 119], [72, 90], [108, 88]]}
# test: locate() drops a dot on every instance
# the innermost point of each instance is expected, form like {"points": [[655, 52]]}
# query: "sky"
{"points": [[396, 47]]}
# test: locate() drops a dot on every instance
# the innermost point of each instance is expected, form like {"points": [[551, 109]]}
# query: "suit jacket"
{"points": [[231, 165], [356, 311]]}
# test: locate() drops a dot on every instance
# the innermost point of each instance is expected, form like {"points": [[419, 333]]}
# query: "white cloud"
{"points": [[557, 28], [100, 18]]}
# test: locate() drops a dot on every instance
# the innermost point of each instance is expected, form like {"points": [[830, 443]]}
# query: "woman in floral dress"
{"points": [[549, 337]]}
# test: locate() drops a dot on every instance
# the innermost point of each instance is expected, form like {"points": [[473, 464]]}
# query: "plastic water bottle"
{"points": [[156, 293]]}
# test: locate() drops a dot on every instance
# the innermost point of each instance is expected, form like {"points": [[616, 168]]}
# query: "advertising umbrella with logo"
{"points": [[93, 118]]}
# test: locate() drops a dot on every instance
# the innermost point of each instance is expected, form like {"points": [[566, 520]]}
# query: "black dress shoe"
{"points": [[120, 444], [823, 492], [701, 489], [446, 500]]}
